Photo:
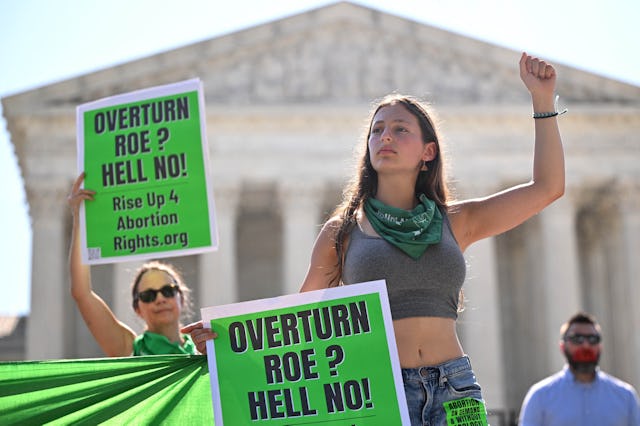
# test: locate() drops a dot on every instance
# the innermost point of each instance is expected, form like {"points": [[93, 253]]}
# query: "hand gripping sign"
{"points": [[311, 358], [145, 154]]}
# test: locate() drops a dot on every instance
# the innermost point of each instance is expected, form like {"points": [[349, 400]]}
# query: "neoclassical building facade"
{"points": [[286, 104]]}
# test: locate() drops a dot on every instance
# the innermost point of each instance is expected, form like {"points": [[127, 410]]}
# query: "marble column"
{"points": [[47, 332], [630, 234], [217, 269], [300, 205], [560, 276], [481, 322], [122, 306]]}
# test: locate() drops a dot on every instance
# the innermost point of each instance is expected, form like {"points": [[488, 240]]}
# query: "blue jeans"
{"points": [[427, 388]]}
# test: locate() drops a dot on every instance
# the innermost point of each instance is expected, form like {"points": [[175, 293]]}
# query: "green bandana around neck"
{"points": [[411, 231], [150, 343]]}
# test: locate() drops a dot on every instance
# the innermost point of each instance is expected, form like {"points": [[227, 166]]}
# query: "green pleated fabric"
{"points": [[161, 389]]}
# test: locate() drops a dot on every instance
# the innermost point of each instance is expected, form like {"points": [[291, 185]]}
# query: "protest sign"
{"points": [[320, 357], [145, 154]]}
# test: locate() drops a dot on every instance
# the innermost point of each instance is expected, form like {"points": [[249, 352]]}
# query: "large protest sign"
{"points": [[321, 357], [145, 154]]}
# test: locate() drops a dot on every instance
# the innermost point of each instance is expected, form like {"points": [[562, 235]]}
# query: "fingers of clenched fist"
{"points": [[539, 68]]}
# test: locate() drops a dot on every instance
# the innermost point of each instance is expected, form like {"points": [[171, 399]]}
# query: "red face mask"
{"points": [[588, 355], [583, 360]]}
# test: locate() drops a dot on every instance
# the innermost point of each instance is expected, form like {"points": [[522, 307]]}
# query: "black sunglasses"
{"points": [[149, 295], [578, 339]]}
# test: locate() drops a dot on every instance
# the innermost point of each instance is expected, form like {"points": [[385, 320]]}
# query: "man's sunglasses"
{"points": [[149, 295], [578, 339]]}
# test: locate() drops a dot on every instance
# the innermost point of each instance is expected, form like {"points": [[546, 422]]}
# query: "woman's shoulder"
{"points": [[333, 222], [332, 226], [456, 217]]}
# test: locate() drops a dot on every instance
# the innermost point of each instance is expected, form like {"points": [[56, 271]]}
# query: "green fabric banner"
{"points": [[162, 389]]}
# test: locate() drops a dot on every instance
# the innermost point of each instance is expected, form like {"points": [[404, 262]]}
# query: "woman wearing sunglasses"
{"points": [[159, 298]]}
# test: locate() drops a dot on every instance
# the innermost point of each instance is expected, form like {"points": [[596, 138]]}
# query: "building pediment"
{"points": [[342, 53]]}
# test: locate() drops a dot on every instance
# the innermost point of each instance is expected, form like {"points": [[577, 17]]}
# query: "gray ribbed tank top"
{"points": [[426, 287]]}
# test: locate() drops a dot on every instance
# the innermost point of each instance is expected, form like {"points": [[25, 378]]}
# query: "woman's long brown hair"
{"points": [[364, 185]]}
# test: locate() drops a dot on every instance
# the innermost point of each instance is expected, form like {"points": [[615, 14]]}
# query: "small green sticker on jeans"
{"points": [[465, 412]]}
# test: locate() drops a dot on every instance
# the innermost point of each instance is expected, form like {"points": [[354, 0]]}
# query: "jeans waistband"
{"points": [[436, 372]]}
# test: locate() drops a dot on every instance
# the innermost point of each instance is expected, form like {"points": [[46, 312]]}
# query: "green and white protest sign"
{"points": [[321, 357], [145, 154]]}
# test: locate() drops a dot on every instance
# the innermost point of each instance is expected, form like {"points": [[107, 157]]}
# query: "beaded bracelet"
{"points": [[537, 115]]}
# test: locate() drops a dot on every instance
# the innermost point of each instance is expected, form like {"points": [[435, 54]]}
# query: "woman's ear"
{"points": [[429, 151]]}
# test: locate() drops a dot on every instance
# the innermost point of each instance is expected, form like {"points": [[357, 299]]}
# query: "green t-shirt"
{"points": [[157, 344]]}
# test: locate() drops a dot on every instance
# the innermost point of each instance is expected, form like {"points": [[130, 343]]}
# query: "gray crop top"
{"points": [[427, 287]]}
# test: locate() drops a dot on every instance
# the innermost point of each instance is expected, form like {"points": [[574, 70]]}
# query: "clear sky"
{"points": [[44, 41]]}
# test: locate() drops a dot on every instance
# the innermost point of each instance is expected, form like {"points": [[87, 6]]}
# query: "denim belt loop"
{"points": [[442, 379]]}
